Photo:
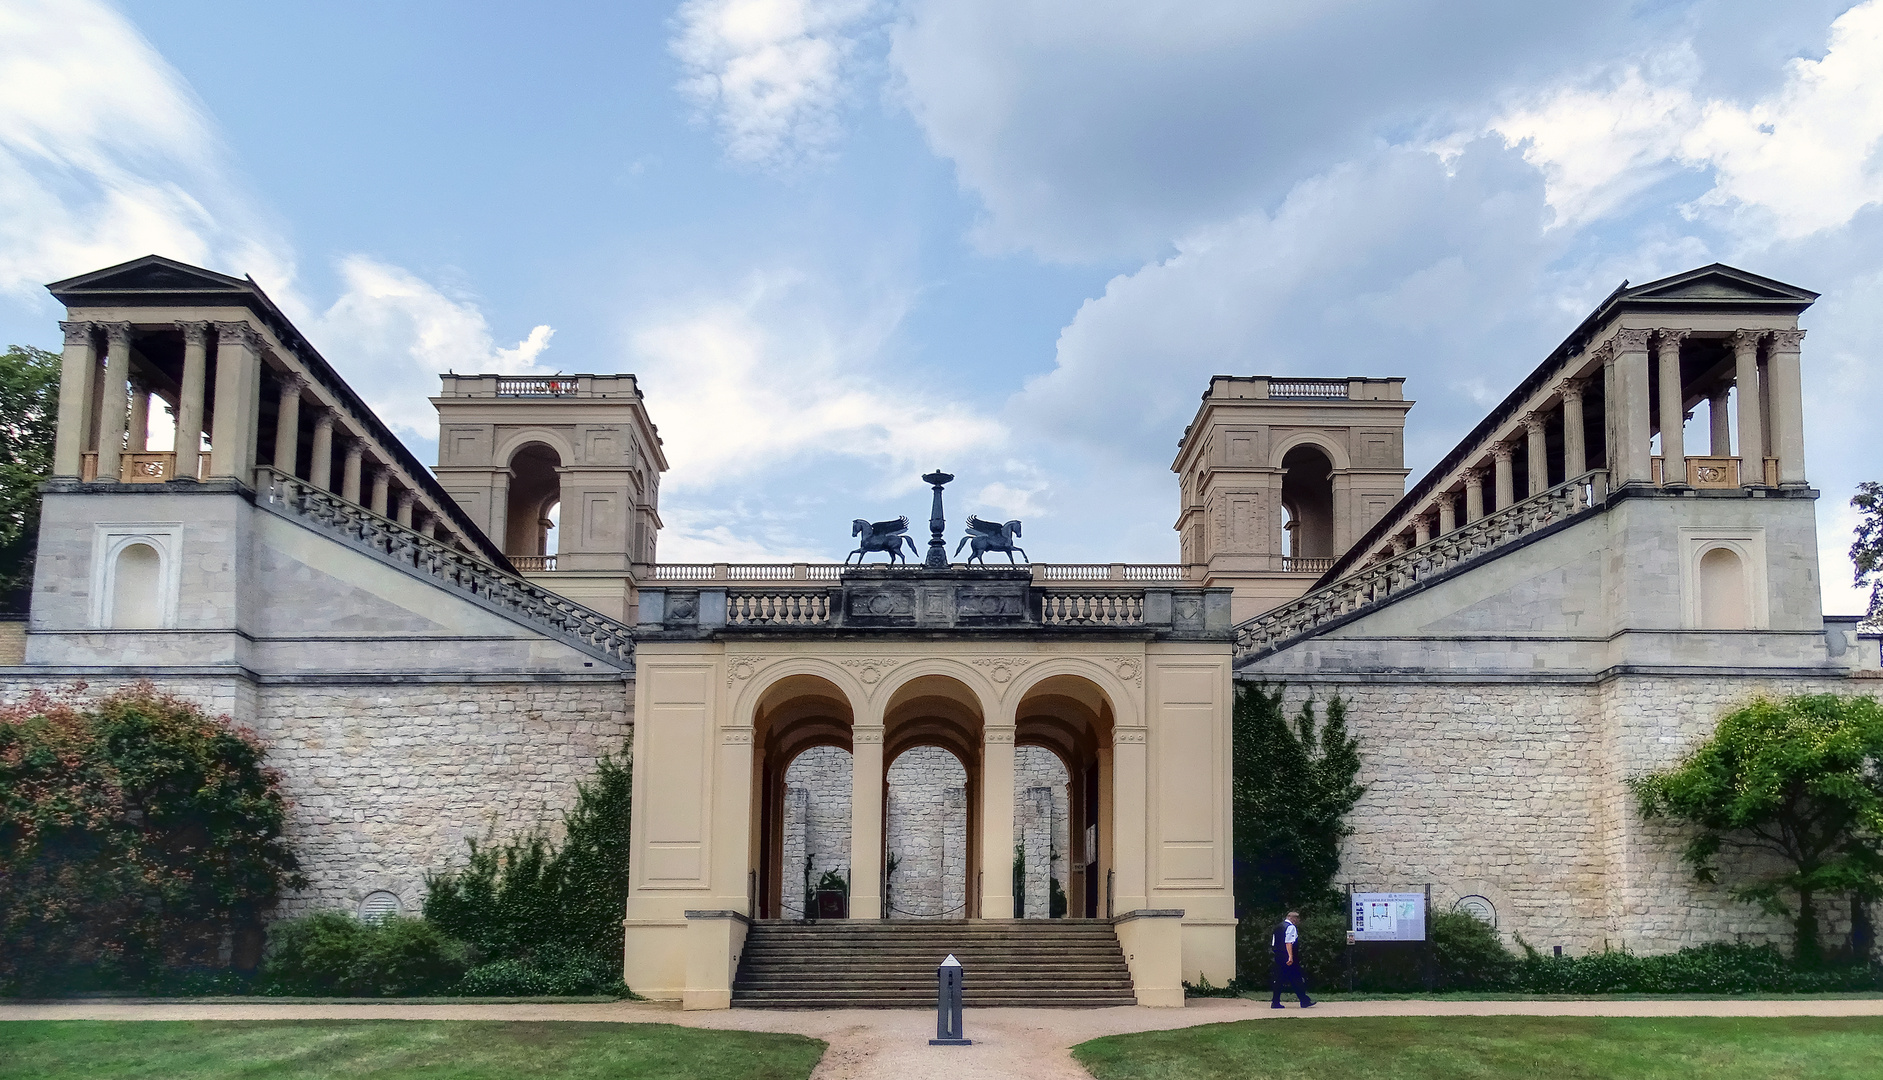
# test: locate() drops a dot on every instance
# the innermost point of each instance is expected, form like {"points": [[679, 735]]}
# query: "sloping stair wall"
{"points": [[844, 964]]}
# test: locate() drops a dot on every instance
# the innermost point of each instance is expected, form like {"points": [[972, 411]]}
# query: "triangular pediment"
{"points": [[151, 275], [1717, 283]]}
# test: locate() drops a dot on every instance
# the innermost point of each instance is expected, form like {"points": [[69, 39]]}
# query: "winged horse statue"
{"points": [[989, 536], [884, 536]]}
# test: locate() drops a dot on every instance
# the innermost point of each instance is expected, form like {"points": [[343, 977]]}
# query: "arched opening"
{"points": [[1307, 495], [934, 718], [816, 828], [535, 488], [1064, 729], [1041, 834], [137, 588], [1723, 591], [925, 868], [801, 734]]}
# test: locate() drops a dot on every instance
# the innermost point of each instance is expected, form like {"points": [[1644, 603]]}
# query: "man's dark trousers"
{"points": [[1287, 976]]}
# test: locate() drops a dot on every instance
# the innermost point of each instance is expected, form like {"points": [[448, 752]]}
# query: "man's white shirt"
{"points": [[1289, 935]]}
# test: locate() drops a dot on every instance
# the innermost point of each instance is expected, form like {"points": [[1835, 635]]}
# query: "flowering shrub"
{"points": [[138, 836]]}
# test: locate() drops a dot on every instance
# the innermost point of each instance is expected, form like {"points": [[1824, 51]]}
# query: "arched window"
{"points": [[137, 588], [1723, 591], [1307, 493]]}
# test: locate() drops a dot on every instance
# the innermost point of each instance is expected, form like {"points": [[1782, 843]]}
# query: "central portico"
{"points": [[1129, 685]]}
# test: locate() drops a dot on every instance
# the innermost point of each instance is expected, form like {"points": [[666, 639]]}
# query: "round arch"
{"points": [[517, 440], [1336, 455], [791, 712]]}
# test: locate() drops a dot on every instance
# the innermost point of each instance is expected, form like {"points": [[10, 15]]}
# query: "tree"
{"points": [[29, 417], [137, 834], [1800, 779], [1292, 790], [1867, 553]]}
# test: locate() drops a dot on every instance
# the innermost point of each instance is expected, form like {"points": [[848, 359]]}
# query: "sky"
{"points": [[844, 242]]}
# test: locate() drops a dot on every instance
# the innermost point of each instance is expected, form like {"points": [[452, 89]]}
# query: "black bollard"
{"points": [[948, 1005]]}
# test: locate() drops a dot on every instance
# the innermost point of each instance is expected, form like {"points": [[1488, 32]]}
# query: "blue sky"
{"points": [[845, 241]]}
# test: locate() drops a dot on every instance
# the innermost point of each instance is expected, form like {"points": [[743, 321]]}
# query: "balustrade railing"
{"points": [[1087, 608], [551, 387], [590, 631], [1292, 565], [1381, 580], [530, 564], [824, 572], [1307, 388], [778, 608]]}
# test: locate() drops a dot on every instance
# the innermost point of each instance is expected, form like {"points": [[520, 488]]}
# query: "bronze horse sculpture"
{"points": [[989, 536], [883, 536]]}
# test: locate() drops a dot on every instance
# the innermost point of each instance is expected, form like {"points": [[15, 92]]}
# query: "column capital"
{"points": [[1572, 388], [1787, 340], [1604, 352], [1533, 421], [238, 333], [1629, 340], [194, 333], [117, 333], [1664, 338], [1474, 476], [1746, 339], [325, 419], [356, 447], [77, 333], [1502, 451], [293, 382]]}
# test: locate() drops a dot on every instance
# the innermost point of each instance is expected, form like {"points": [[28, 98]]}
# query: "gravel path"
{"points": [[893, 1043]]}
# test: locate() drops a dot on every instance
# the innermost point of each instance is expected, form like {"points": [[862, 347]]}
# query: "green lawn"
{"points": [[393, 1050], [1496, 1047]]}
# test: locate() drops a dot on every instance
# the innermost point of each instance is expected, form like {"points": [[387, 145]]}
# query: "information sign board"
{"points": [[1387, 916]]}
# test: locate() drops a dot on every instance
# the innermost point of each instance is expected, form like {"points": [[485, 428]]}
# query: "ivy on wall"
{"points": [[1293, 786]]}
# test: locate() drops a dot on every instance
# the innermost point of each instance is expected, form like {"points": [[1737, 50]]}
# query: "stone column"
{"points": [[112, 405], [1673, 407], [1633, 439], [1421, 530], [350, 477], [1575, 448], [866, 821], [1788, 408], [189, 440], [288, 424], [405, 508], [1036, 840], [1506, 480], [234, 427], [997, 822], [1130, 794], [1751, 434], [320, 465], [1719, 424], [78, 370], [1474, 494], [382, 490], [1447, 515], [138, 436], [1537, 453]]}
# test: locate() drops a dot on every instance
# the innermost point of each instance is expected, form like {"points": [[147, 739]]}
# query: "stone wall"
{"points": [[817, 822], [1515, 791], [386, 780], [1041, 823], [928, 835]]}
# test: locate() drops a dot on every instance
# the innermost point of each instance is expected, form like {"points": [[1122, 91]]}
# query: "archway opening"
{"points": [[935, 719], [925, 868], [1064, 732], [1307, 495], [801, 763], [535, 488]]}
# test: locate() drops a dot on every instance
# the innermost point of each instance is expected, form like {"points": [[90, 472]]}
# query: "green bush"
{"points": [[1706, 969], [545, 915], [333, 954], [138, 836]]}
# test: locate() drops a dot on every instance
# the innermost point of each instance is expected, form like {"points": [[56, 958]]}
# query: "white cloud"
{"points": [[391, 334], [743, 385], [106, 155], [769, 73], [1798, 161]]}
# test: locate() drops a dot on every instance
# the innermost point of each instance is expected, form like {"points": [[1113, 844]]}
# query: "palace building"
{"points": [[985, 758]]}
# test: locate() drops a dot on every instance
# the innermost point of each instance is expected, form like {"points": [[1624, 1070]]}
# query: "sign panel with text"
{"points": [[1387, 916]]}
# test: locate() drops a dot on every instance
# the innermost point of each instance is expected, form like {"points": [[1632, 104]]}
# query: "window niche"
{"points": [[135, 573]]}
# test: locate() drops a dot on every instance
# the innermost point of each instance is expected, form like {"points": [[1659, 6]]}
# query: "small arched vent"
{"points": [[379, 905], [1478, 908]]}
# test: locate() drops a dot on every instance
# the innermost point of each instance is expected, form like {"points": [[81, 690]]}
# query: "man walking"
{"points": [[1286, 943]]}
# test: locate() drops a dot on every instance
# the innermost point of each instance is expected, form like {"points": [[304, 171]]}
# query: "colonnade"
{"points": [[104, 414], [1636, 380]]}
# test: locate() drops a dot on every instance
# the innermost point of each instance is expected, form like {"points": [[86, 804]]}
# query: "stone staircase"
{"points": [[1071, 963]]}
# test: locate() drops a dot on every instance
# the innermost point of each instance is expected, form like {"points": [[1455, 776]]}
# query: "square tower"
{"points": [[1280, 476], [511, 449]]}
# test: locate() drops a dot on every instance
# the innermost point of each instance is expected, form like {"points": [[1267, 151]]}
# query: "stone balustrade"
{"points": [[1084, 608], [589, 631], [1058, 573], [1383, 579], [775, 607]]}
